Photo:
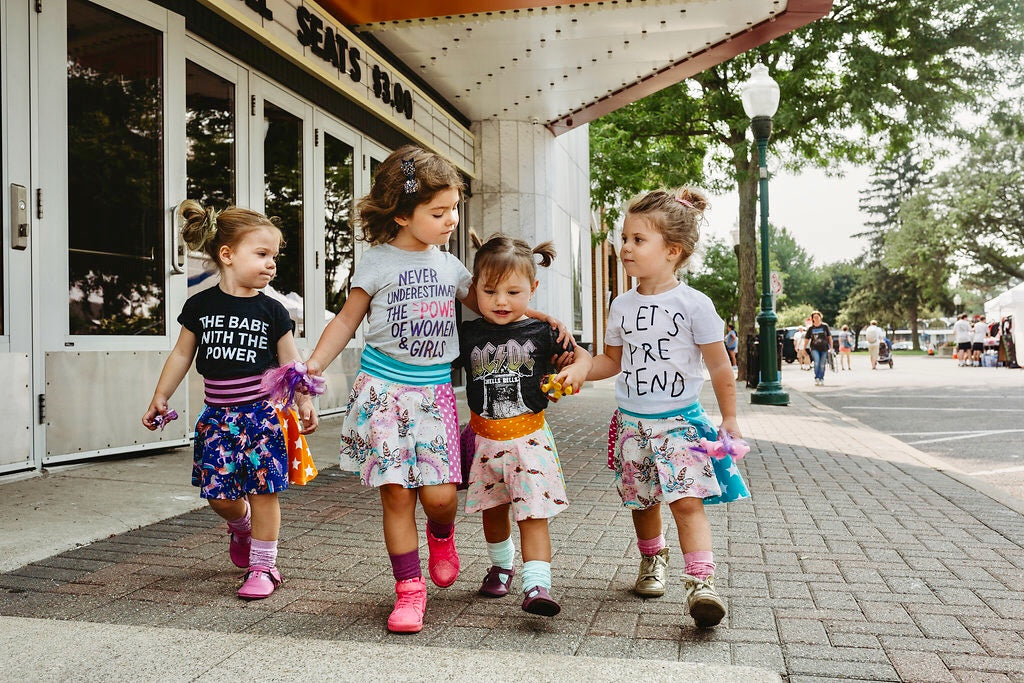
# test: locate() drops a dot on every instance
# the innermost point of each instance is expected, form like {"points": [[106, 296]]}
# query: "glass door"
{"points": [[281, 134], [17, 220], [110, 133], [338, 166]]}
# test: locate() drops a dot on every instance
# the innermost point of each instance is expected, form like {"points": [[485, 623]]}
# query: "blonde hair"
{"points": [[501, 255], [392, 196], [207, 230], [676, 214]]}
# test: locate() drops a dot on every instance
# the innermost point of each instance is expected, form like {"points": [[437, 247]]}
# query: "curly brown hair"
{"points": [[389, 197]]}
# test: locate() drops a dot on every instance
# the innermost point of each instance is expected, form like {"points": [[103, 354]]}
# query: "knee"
{"points": [[439, 499]]}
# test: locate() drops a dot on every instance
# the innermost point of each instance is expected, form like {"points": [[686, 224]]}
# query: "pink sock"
{"points": [[263, 553], [700, 563], [651, 546], [243, 525]]}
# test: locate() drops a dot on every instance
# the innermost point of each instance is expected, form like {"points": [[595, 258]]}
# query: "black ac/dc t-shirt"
{"points": [[505, 365], [239, 343]]}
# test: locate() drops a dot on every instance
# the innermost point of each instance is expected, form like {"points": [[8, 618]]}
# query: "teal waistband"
{"points": [[383, 366], [693, 411]]}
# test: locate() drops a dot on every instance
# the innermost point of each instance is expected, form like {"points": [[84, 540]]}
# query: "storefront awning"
{"points": [[564, 65]]}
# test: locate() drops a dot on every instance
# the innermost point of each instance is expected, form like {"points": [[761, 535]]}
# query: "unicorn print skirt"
{"points": [[400, 433], [654, 461]]}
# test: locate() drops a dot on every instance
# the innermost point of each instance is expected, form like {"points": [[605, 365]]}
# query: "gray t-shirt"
{"points": [[412, 302]]}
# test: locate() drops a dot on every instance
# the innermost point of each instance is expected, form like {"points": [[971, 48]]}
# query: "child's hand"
{"points": [[731, 427], [313, 367], [572, 379], [158, 406], [307, 415]]}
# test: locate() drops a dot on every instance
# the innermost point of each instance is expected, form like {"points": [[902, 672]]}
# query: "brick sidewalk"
{"points": [[853, 560]]}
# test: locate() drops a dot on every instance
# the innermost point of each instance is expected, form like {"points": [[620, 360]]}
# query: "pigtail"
{"points": [[546, 251]]}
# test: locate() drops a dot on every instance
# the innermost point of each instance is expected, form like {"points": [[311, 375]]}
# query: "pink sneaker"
{"points": [[407, 616], [443, 562], [238, 549], [260, 582]]}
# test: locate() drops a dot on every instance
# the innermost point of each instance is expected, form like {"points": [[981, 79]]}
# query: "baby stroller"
{"points": [[885, 353]]}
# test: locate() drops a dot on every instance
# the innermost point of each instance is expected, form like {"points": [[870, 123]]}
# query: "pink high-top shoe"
{"points": [[407, 616]]}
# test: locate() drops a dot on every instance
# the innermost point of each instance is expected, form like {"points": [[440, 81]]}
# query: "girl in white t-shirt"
{"points": [[401, 430], [657, 335]]}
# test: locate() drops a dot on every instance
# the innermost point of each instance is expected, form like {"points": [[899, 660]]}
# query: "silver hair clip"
{"points": [[411, 185]]}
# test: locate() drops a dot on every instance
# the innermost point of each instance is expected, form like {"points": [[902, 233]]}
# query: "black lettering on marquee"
{"points": [[331, 47], [261, 8]]}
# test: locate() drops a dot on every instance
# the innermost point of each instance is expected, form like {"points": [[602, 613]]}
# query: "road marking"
{"points": [[974, 431], [969, 435], [929, 408], [1002, 471]]}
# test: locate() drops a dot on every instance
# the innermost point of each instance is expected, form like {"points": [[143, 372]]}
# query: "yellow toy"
{"points": [[555, 388]]}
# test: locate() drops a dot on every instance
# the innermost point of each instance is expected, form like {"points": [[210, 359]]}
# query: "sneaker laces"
{"points": [[695, 584], [408, 599], [649, 565]]}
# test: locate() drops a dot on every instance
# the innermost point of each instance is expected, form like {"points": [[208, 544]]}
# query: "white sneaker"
{"points": [[706, 607]]}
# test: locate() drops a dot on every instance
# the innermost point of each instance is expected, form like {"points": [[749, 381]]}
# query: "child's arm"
{"points": [[339, 332], [576, 373], [607, 364], [174, 371], [717, 361], [287, 352]]}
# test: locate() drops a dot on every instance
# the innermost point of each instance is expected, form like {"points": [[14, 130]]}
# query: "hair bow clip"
{"points": [[411, 185], [162, 420]]}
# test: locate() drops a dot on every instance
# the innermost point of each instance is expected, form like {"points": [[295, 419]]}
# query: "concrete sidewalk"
{"points": [[854, 559]]}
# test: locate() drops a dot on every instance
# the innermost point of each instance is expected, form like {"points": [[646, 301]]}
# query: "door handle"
{"points": [[19, 217], [178, 254]]}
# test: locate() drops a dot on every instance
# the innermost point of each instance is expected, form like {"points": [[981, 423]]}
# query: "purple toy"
{"points": [[162, 420], [282, 382], [726, 445]]}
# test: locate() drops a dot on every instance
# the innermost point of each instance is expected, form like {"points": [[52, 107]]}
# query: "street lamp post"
{"points": [[760, 97], [957, 300]]}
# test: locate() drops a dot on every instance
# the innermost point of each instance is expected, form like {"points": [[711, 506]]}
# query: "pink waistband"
{"points": [[233, 392]]}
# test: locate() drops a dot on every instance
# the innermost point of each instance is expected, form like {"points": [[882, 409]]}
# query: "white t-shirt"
{"points": [[412, 302], [659, 334], [873, 335], [961, 331], [980, 332]]}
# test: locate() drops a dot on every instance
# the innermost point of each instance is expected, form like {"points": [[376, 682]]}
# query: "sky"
{"points": [[819, 211]]}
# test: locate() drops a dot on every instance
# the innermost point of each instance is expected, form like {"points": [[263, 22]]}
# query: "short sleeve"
{"points": [[707, 324], [613, 331], [462, 277], [282, 321], [189, 316], [368, 274]]}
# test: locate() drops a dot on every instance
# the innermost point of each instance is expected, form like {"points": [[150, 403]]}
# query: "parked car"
{"points": [[902, 346], [788, 346]]}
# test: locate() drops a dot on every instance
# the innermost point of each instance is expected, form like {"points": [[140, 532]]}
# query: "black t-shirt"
{"points": [[237, 336], [819, 335], [505, 365]]}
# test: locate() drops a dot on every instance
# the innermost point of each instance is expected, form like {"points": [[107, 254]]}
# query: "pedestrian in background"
{"points": [[978, 335], [660, 420], [240, 460], [818, 341], [962, 337], [873, 335], [731, 342], [845, 347], [800, 345]]}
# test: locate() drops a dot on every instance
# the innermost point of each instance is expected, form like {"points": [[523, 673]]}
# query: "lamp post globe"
{"points": [[957, 300], [760, 96]]}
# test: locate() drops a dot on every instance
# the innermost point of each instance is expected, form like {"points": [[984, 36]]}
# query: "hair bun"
{"points": [[694, 198]]}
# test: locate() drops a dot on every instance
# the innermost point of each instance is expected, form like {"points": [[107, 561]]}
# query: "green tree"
{"points": [[864, 68], [801, 283], [716, 277]]}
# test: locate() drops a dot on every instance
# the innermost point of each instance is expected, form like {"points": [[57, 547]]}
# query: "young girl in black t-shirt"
{"points": [[515, 466], [241, 459]]}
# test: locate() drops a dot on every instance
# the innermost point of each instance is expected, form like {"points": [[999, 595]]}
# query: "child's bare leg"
{"points": [[399, 506], [537, 568], [648, 522], [266, 516], [228, 509], [535, 539], [691, 524], [440, 504], [706, 607], [497, 525]]}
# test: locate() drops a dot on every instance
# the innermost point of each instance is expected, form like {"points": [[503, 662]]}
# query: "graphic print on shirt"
{"points": [[233, 338], [501, 369], [421, 312], [648, 373]]}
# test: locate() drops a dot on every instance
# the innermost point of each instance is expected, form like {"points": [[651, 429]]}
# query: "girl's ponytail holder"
{"points": [[685, 202], [282, 383]]}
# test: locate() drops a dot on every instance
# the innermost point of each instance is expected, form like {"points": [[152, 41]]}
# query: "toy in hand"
{"points": [[725, 445], [282, 383], [551, 386], [162, 420]]}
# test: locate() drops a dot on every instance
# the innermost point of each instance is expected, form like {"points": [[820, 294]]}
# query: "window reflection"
{"points": [[210, 155], [338, 245], [282, 159], [115, 174]]}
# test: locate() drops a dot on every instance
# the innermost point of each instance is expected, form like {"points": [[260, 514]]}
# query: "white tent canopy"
{"points": [[1010, 303]]}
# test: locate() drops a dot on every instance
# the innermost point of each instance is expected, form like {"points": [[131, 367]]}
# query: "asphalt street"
{"points": [[970, 418]]}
